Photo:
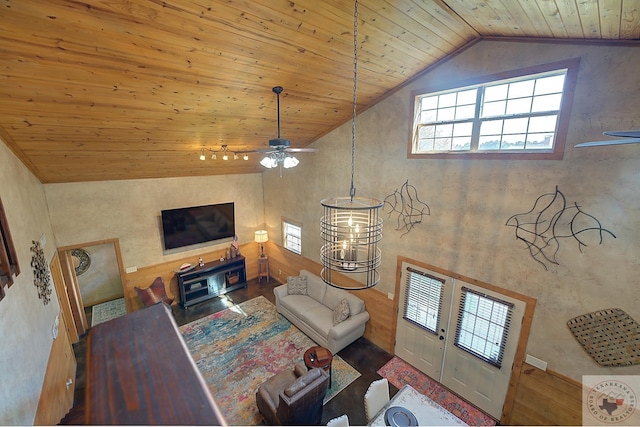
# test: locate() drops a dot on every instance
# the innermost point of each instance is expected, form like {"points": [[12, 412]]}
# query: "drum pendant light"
{"points": [[351, 227]]}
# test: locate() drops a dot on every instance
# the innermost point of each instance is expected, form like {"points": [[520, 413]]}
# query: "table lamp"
{"points": [[261, 237]]}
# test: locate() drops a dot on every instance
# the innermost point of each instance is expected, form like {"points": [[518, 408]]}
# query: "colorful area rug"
{"points": [[239, 348], [108, 310], [399, 373]]}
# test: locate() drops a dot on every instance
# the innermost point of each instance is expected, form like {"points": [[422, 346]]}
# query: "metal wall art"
{"points": [[551, 221], [407, 206], [41, 277]]}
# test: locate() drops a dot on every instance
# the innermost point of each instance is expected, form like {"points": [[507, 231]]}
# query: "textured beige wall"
{"points": [[130, 212], [25, 322], [471, 200]]}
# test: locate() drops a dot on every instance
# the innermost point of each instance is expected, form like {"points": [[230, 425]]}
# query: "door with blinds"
{"points": [[462, 335]]}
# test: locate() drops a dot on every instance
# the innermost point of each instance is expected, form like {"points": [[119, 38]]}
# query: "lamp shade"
{"points": [[261, 236]]}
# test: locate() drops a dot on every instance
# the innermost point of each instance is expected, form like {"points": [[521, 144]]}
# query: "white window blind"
{"points": [[423, 300], [483, 326]]}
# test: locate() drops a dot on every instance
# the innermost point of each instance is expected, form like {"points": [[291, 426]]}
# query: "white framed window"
{"points": [[292, 236], [423, 300], [483, 326], [521, 113]]}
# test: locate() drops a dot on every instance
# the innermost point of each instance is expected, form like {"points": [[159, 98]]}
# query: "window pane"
{"points": [[428, 116], [429, 103], [490, 109], [482, 329], [491, 127], [446, 114], [521, 89], [447, 100], [540, 141], [423, 300], [519, 106], [442, 144], [465, 112], [515, 125], [491, 142], [513, 142], [543, 124], [553, 84], [495, 93], [467, 97], [463, 143], [292, 237], [462, 129], [547, 103]]}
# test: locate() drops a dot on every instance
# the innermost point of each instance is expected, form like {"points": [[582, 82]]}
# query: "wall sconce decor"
{"points": [[41, 276], [551, 221]]}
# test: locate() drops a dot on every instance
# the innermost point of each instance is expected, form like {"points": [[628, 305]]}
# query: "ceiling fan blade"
{"points": [[624, 133], [301, 150], [609, 142]]}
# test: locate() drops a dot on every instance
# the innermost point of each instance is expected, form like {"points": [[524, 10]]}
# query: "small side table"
{"points": [[263, 268], [318, 357]]}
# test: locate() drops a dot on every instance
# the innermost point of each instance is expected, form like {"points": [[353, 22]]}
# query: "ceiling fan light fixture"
{"points": [[290, 162], [245, 157], [269, 162], [202, 157]]}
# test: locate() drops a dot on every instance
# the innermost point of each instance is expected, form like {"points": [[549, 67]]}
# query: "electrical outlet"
{"points": [[534, 361], [390, 295]]}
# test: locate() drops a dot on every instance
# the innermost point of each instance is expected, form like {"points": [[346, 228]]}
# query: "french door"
{"points": [[463, 335]]}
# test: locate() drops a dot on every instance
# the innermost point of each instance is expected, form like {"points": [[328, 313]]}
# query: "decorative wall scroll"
{"points": [[551, 221], [41, 277], [408, 207]]}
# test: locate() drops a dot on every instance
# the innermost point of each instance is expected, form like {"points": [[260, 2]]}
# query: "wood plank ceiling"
{"points": [[121, 89]]}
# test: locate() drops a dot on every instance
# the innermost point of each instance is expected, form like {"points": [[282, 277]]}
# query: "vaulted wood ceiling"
{"points": [[126, 89]]}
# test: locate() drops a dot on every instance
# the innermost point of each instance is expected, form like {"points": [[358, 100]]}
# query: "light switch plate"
{"points": [[131, 269]]}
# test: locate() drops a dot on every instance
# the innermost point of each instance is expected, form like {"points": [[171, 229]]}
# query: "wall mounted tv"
{"points": [[189, 226]]}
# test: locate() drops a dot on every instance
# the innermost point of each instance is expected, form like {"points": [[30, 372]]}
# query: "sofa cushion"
{"points": [[297, 285], [315, 286], [318, 318], [333, 296], [341, 312], [299, 304]]}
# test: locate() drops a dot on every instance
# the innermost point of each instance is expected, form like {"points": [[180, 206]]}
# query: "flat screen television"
{"points": [[198, 224]]}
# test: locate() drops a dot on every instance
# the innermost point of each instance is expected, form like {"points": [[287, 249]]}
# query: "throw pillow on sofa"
{"points": [[341, 312], [297, 285]]}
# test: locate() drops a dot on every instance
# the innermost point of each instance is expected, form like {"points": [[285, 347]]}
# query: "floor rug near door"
{"points": [[108, 310], [239, 348], [398, 372]]}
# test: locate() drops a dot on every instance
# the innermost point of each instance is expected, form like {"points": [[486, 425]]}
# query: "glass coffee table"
{"points": [[318, 357]]}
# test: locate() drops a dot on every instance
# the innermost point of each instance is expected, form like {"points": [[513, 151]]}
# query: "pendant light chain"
{"points": [[352, 190]]}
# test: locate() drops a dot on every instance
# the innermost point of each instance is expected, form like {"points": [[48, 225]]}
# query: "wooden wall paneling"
{"points": [[56, 397], [545, 398]]}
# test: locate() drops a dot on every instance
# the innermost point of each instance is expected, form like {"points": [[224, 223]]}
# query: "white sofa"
{"points": [[313, 312]]}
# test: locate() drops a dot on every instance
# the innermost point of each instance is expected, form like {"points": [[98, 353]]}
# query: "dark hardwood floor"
{"points": [[364, 356]]}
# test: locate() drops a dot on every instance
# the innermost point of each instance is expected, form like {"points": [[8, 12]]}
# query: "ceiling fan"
{"points": [[279, 148], [627, 137]]}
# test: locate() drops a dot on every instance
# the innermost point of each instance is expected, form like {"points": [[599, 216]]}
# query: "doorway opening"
{"points": [[95, 275]]}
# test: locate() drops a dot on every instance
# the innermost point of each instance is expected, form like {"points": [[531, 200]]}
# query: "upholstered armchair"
{"points": [[293, 397], [154, 294]]}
